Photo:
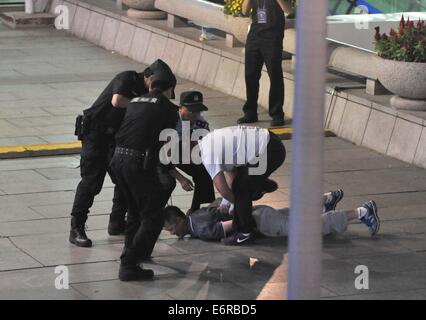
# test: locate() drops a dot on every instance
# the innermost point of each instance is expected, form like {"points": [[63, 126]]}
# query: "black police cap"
{"points": [[193, 101]]}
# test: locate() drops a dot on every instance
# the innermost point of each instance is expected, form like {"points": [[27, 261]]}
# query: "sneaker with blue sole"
{"points": [[371, 219], [332, 199]]}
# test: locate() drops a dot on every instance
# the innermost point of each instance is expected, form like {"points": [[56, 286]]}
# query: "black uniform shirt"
{"points": [[271, 32], [129, 84], [144, 121]]}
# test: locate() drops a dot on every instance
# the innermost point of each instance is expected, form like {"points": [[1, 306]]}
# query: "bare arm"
{"points": [[222, 186], [246, 7], [119, 101], [186, 184], [285, 5]]}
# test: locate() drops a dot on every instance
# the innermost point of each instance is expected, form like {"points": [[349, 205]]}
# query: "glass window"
{"points": [[352, 22]]}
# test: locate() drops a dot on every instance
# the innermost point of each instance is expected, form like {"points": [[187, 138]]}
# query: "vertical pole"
{"points": [[120, 4], [29, 6], [305, 239]]}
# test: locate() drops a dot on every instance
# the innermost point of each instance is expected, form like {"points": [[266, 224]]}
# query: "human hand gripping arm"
{"points": [[246, 7], [285, 5], [119, 101]]}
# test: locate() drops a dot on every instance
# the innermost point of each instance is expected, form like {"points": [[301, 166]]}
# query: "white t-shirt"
{"points": [[227, 148]]}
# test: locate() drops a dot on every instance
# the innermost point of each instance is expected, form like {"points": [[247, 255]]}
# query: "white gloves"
{"points": [[226, 206]]}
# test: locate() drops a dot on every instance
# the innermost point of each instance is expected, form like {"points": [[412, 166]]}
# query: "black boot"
{"points": [[134, 273], [277, 122], [78, 235], [116, 228], [247, 119], [268, 186]]}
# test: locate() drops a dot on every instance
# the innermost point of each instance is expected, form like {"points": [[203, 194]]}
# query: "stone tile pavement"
{"points": [[46, 77]]}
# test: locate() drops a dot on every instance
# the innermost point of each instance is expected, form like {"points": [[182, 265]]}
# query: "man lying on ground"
{"points": [[213, 224]]}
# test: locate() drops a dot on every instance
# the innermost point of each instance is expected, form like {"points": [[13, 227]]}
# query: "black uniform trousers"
{"points": [[96, 154], [203, 184], [256, 55], [143, 193], [245, 185]]}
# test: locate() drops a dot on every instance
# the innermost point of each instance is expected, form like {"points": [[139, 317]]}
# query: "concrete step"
{"points": [[18, 20]]}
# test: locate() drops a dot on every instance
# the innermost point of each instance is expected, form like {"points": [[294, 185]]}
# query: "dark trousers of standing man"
{"points": [[96, 154], [245, 185], [143, 193], [256, 56], [203, 184]]}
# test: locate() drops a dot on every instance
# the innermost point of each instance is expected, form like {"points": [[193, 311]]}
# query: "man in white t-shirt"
{"points": [[240, 160]]}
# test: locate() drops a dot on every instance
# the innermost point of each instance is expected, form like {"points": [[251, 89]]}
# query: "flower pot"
{"points": [[407, 80], [145, 5]]}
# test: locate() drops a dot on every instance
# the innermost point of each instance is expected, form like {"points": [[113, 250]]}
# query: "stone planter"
{"points": [[35, 6], [238, 27], [407, 80], [143, 9], [147, 5]]}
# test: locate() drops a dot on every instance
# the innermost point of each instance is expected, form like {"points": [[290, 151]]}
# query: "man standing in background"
{"points": [[265, 46]]}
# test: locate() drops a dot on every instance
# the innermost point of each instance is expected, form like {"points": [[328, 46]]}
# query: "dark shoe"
{"points": [[238, 239], [79, 238], [333, 198], [278, 122], [134, 273], [116, 228], [247, 119], [371, 219], [145, 259], [268, 187]]}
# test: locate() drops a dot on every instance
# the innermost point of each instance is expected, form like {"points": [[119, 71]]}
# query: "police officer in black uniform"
{"points": [[96, 128], [134, 167], [265, 46]]}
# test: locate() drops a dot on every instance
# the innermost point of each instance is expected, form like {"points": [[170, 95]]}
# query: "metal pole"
{"points": [[119, 4], [29, 6], [305, 239]]}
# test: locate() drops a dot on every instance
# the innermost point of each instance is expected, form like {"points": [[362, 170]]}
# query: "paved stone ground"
{"points": [[46, 77]]}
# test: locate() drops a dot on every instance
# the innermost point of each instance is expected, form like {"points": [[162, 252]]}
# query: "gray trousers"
{"points": [[275, 223]]}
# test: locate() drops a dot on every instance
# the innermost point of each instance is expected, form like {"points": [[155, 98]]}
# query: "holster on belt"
{"points": [[82, 126]]}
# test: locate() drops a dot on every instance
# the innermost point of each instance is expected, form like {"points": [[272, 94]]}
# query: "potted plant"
{"points": [[402, 63], [143, 9]]}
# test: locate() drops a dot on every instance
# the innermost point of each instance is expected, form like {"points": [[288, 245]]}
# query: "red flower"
{"points": [[385, 36], [402, 22], [406, 46], [410, 24], [377, 35], [393, 33]]}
